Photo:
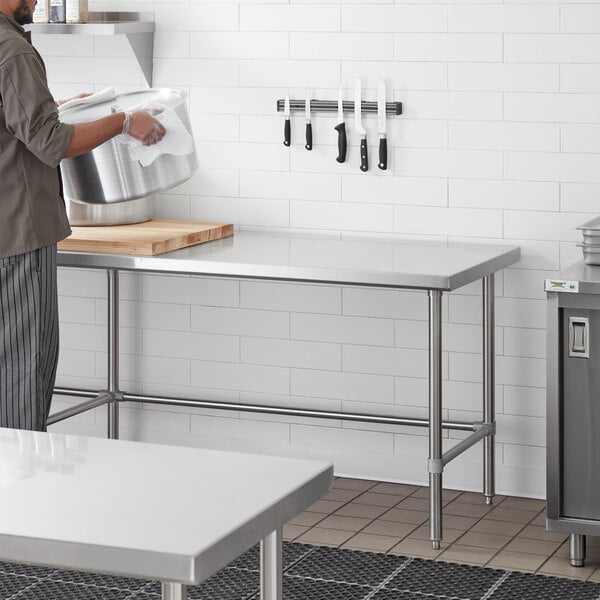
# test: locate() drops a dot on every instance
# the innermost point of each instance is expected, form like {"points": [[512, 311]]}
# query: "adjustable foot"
{"points": [[577, 550]]}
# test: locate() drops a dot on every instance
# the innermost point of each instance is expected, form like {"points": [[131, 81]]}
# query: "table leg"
{"points": [[271, 566], [174, 591], [489, 390], [113, 353], [435, 418]]}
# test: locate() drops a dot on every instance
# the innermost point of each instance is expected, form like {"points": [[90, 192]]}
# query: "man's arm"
{"points": [[31, 116], [87, 136]]}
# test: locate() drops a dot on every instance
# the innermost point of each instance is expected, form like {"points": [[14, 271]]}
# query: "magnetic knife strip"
{"points": [[391, 108]]}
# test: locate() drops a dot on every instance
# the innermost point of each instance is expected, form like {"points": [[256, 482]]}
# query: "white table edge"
{"points": [[183, 569]]}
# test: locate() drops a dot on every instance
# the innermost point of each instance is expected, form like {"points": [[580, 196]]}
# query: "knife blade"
{"points": [[287, 128], [341, 129], [309, 140], [382, 125], [360, 130]]}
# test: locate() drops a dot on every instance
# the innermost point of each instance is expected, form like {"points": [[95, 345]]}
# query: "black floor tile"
{"points": [[12, 584], [347, 566], [445, 579], [107, 581], [291, 554], [27, 570], [57, 590], [298, 588], [397, 595], [525, 586], [227, 584]]}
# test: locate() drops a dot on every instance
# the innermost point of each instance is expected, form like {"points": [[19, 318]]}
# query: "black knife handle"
{"points": [[383, 153], [342, 142], [287, 133], [308, 136], [364, 155]]}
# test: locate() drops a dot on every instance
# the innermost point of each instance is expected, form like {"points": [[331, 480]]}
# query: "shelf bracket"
{"points": [[142, 45], [138, 27]]}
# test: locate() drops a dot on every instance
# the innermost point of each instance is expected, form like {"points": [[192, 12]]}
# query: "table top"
{"points": [[317, 258], [577, 278], [143, 510]]}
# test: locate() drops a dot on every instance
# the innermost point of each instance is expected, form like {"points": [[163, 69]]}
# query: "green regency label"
{"points": [[562, 285]]}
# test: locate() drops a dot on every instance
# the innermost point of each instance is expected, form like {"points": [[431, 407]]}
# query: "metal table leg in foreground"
{"points": [[113, 353], [435, 418], [489, 391], [271, 566], [174, 591], [577, 550]]}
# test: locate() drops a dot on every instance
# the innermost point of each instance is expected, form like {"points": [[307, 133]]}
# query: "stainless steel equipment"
{"points": [[591, 241], [108, 174], [573, 419], [115, 213]]}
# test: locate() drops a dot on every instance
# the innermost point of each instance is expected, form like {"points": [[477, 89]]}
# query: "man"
{"points": [[32, 215]]}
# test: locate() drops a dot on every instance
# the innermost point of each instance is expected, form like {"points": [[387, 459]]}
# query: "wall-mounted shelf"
{"points": [[137, 26]]}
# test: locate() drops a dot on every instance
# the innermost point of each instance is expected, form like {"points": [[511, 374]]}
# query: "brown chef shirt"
{"points": [[32, 143]]}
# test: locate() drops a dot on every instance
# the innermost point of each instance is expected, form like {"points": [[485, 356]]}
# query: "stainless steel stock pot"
{"points": [[108, 174]]}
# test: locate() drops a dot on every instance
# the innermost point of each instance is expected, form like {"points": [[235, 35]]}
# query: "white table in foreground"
{"points": [[149, 511]]}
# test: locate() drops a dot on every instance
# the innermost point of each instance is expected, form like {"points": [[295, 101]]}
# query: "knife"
{"points": [[382, 125], [364, 154], [287, 128], [308, 123], [341, 129]]}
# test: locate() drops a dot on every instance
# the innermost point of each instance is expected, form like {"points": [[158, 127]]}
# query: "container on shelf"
{"points": [[42, 12], [77, 11], [591, 241], [58, 11]]}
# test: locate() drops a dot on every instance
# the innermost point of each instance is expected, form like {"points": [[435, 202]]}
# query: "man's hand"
{"points": [[142, 126], [61, 102], [139, 124]]}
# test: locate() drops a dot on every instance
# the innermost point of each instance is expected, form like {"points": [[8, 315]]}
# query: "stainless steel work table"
{"points": [[116, 507], [331, 259]]}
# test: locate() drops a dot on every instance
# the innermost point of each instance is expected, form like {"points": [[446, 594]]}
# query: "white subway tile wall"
{"points": [[499, 141]]}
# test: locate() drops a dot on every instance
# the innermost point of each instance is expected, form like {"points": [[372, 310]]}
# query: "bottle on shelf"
{"points": [[42, 11], [58, 12], [77, 11]]}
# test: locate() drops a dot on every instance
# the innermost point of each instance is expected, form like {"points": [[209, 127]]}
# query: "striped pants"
{"points": [[28, 338]]}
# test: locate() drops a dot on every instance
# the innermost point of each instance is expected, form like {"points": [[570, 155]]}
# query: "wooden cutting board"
{"points": [[144, 239]]}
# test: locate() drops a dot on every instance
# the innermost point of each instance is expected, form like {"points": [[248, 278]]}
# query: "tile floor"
{"points": [[393, 518], [309, 573]]}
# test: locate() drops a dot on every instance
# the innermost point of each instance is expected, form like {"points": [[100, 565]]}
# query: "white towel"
{"points": [[177, 141], [104, 95]]}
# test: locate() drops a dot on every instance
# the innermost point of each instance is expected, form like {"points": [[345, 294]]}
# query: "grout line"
{"points": [[389, 578], [496, 585], [300, 559], [524, 525], [418, 525], [16, 594]]}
